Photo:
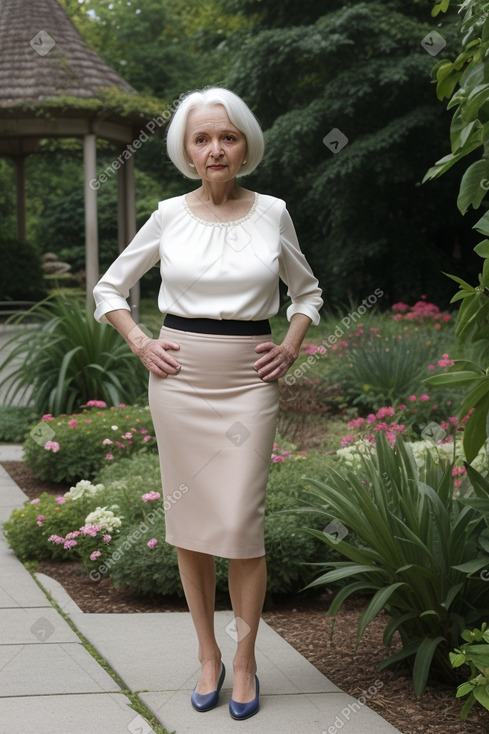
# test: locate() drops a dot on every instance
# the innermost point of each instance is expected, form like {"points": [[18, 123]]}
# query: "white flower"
{"points": [[84, 488], [103, 517]]}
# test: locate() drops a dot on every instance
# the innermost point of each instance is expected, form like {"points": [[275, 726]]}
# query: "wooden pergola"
{"points": [[52, 85]]}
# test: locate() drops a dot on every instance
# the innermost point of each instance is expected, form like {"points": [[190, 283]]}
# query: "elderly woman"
{"points": [[213, 390]]}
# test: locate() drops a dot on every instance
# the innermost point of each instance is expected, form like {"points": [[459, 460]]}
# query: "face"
{"points": [[213, 144]]}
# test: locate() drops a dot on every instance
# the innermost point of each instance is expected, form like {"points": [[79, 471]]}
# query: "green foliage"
{"points": [[294, 74], [464, 82], [474, 652], [418, 553], [28, 528], [21, 274], [15, 422], [67, 359], [68, 448]]}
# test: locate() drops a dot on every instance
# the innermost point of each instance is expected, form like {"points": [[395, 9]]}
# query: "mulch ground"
{"points": [[302, 621]]}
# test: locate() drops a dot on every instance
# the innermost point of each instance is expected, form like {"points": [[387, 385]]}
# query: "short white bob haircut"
{"points": [[238, 112]]}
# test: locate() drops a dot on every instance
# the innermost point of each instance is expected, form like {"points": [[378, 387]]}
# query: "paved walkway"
{"points": [[49, 682]]}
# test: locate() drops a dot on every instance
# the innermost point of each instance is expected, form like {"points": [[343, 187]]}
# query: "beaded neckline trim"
{"points": [[221, 224]]}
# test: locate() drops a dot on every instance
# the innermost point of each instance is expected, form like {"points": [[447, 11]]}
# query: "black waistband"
{"points": [[229, 327]]}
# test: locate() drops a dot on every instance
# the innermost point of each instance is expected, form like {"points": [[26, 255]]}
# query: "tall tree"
{"points": [[359, 69]]}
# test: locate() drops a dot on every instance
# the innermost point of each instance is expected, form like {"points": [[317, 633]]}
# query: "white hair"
{"points": [[238, 112]]}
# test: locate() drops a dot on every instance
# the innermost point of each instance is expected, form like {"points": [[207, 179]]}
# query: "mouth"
{"points": [[217, 167]]}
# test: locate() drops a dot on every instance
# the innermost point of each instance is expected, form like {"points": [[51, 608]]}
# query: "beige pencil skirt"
{"points": [[215, 425]]}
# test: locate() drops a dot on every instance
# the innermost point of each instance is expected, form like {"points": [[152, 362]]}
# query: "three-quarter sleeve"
{"points": [[139, 256], [303, 288]]}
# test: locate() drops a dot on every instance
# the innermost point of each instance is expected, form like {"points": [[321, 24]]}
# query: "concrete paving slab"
{"points": [[17, 587], [11, 452], [159, 652], [58, 593], [31, 626], [10, 494], [81, 714], [319, 713], [45, 669]]}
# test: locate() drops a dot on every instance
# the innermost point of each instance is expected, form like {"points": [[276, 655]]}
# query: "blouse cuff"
{"points": [[303, 308], [109, 304]]}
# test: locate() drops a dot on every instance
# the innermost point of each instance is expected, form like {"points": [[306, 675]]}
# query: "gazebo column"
{"points": [[126, 211], [20, 188], [91, 227]]}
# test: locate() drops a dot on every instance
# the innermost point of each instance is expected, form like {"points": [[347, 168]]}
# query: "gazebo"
{"points": [[52, 85]]}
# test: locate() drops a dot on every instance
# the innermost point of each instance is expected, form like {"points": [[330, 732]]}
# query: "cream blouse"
{"points": [[216, 270]]}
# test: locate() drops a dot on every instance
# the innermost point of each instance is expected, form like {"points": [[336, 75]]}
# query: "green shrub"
{"points": [[473, 653], [69, 359], [419, 547], [28, 528], [385, 368], [68, 448], [288, 547], [15, 422], [21, 274]]}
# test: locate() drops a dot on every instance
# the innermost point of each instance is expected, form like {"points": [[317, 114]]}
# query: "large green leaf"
{"points": [[378, 602], [423, 660], [474, 186]]}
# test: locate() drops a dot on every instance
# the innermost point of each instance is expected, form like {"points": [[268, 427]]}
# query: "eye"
{"points": [[230, 138], [200, 139]]}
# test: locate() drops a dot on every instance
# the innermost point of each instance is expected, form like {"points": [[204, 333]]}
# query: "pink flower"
{"points": [[127, 435], [151, 543], [346, 440], [303, 453], [397, 317], [381, 427], [72, 535], [400, 307], [371, 418], [453, 420], [95, 554], [72, 423], [109, 457], [445, 362], [147, 438], [457, 483], [107, 538], [107, 442], [143, 431], [122, 405], [457, 470], [35, 502], [373, 328], [40, 518], [402, 407], [56, 539], [276, 459], [96, 404], [52, 446], [285, 453], [431, 367], [383, 412], [356, 422], [69, 544], [150, 496], [120, 445], [88, 420], [60, 500], [275, 446], [424, 398], [412, 398], [47, 417]]}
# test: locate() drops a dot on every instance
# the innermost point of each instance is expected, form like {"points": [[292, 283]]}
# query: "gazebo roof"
{"points": [[42, 56]]}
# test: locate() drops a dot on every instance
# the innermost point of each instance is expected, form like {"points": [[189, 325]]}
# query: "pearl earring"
{"points": [[191, 165], [244, 163]]}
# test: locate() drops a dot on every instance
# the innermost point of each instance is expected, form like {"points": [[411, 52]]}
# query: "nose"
{"points": [[216, 149]]}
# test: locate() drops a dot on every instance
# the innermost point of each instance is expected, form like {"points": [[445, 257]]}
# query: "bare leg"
{"points": [[198, 575], [247, 587]]}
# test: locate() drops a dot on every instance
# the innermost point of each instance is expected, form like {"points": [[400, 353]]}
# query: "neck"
{"points": [[218, 193]]}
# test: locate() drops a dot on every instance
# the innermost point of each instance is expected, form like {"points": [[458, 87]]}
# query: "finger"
{"points": [[168, 345], [264, 347]]}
